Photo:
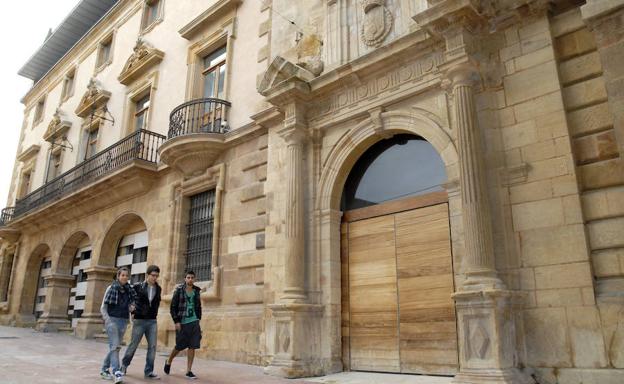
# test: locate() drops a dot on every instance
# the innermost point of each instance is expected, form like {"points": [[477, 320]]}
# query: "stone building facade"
{"points": [[235, 137]]}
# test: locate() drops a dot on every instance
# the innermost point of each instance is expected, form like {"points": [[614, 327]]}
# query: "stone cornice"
{"points": [[28, 153], [210, 15], [143, 57], [57, 127], [94, 98], [118, 15]]}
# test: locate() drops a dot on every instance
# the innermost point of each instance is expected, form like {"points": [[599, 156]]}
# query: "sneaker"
{"points": [[106, 375], [152, 375], [118, 377], [167, 368], [190, 375]]}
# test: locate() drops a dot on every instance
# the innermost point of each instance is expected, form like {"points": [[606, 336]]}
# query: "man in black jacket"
{"points": [[186, 312], [144, 323]]}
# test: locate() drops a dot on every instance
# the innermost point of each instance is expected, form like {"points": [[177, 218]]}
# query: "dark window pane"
{"points": [[395, 168], [199, 235]]}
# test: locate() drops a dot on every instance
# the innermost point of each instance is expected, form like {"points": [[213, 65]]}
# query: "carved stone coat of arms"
{"points": [[377, 22]]}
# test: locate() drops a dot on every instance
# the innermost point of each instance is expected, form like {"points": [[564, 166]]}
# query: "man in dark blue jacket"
{"points": [[118, 302], [186, 312], [144, 322]]}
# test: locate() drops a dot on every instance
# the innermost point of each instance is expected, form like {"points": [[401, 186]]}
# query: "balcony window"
{"points": [[214, 71], [54, 166], [91, 142], [24, 184], [141, 109]]}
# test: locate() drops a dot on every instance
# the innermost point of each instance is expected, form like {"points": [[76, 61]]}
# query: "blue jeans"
{"points": [[115, 329], [148, 328]]}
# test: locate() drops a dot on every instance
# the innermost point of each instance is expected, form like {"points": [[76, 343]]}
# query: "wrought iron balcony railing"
{"points": [[6, 215], [199, 116], [141, 145]]}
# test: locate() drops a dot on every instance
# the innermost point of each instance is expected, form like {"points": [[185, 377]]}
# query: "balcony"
{"points": [[196, 135], [119, 170]]}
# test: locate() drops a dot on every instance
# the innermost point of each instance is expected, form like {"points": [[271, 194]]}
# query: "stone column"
{"points": [[294, 134], [98, 278], [479, 265], [54, 315], [485, 309]]}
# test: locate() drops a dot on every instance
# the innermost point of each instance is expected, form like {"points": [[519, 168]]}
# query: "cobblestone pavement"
{"points": [[30, 357]]}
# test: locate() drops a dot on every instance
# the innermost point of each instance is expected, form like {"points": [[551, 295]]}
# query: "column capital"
{"points": [[99, 272], [465, 73], [295, 129], [60, 280]]}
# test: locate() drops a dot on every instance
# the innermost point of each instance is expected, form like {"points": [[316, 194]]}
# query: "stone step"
{"points": [[66, 330]]}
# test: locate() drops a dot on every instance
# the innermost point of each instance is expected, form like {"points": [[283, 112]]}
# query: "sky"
{"points": [[21, 34]]}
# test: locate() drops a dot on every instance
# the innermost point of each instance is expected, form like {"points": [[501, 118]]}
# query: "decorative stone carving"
{"points": [[309, 54], [377, 22], [28, 153], [279, 71], [57, 127], [95, 97], [143, 57]]}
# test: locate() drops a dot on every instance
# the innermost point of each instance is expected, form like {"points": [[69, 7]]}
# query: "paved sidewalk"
{"points": [[30, 357]]}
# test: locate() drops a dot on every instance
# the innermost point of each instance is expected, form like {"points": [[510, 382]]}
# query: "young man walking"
{"points": [[144, 323], [118, 302], [186, 312]]}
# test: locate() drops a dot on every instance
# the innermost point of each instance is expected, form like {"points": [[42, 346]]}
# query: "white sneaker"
{"points": [[118, 377], [106, 375]]}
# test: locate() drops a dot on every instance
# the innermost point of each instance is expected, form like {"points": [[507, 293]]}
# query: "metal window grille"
{"points": [[199, 235]]}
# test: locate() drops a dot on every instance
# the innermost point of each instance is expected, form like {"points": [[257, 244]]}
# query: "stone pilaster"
{"points": [[479, 265], [54, 314], [98, 278], [485, 309], [294, 134]]}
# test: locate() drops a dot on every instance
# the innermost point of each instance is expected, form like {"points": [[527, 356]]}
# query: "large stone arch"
{"points": [[352, 145], [65, 260], [60, 283], [335, 170], [114, 233], [30, 280]]}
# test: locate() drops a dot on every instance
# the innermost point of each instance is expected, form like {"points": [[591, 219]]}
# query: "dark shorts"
{"points": [[189, 336]]}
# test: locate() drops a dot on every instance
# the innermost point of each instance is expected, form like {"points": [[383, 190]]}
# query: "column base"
{"points": [[493, 376], [52, 324], [293, 338], [88, 327]]}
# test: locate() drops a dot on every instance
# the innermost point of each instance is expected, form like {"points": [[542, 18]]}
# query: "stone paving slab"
{"points": [[379, 378], [31, 357]]}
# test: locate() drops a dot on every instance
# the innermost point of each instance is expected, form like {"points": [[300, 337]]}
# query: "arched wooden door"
{"points": [[398, 314]]}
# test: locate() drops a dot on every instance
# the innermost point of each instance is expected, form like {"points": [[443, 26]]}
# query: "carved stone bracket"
{"points": [[95, 97], [143, 57]]}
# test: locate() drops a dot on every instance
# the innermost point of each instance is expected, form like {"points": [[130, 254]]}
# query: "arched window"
{"points": [[402, 166]]}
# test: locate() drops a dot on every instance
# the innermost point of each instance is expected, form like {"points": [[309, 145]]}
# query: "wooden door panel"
{"points": [[428, 337], [373, 312]]}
